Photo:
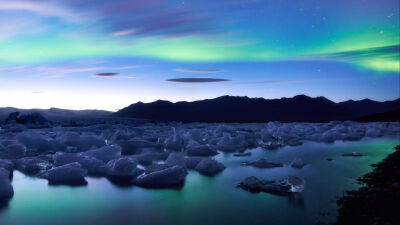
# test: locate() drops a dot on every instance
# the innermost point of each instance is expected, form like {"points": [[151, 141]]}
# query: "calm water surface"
{"points": [[205, 200]]}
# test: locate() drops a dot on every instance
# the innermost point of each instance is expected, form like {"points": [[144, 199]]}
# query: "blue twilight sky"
{"points": [[102, 54]]}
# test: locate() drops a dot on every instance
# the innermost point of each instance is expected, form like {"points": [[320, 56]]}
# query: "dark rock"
{"points": [[69, 174], [329, 159], [172, 177], [375, 202], [396, 184], [209, 167], [262, 163]]}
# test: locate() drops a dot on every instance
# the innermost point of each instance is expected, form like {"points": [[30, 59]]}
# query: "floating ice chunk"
{"points": [[297, 163], [82, 142], [374, 132], [123, 168], [209, 167], [242, 154], [13, 151], [176, 159], [6, 190], [296, 183], [221, 129], [231, 144], [63, 158], [195, 149], [156, 167], [255, 185], [7, 164], [197, 135], [262, 163], [191, 162], [94, 166], [136, 146], [69, 174], [147, 158], [353, 154], [32, 165], [175, 142], [104, 154], [355, 133], [172, 177], [36, 142], [31, 120]]}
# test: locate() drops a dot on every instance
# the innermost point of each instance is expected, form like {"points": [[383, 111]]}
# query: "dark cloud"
{"points": [[196, 80], [198, 70], [106, 74]]}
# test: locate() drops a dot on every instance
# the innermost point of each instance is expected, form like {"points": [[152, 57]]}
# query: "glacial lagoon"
{"points": [[206, 200]]}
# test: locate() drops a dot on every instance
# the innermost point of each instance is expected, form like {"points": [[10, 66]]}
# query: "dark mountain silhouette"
{"points": [[385, 116], [56, 112], [367, 106], [243, 109]]}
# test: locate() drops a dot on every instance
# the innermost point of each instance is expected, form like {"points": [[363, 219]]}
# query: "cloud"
{"points": [[56, 72], [129, 67], [41, 8], [198, 70], [122, 18], [106, 74], [116, 75], [196, 80], [123, 32]]}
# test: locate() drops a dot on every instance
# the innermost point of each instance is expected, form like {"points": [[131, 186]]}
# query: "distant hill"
{"points": [[367, 106], [381, 117], [300, 108], [56, 113]]}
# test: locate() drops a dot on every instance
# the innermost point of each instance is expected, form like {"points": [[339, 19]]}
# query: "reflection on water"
{"points": [[296, 199], [204, 200]]}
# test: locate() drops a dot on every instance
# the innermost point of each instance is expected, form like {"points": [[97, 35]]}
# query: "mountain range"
{"points": [[56, 112], [300, 108]]}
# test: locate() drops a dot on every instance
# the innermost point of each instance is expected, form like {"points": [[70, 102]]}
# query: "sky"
{"points": [[101, 54]]}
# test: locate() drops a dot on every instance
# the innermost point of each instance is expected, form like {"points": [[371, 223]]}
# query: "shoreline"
{"points": [[375, 202]]}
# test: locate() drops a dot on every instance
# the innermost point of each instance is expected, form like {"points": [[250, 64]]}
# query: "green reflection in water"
{"points": [[204, 200]]}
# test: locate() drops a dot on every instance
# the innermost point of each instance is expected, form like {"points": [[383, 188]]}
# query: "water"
{"points": [[205, 200]]}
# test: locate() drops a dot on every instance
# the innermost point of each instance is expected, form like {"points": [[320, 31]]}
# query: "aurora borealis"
{"points": [[51, 50]]}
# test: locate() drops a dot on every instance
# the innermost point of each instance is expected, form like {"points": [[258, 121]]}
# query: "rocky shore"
{"points": [[377, 202]]}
